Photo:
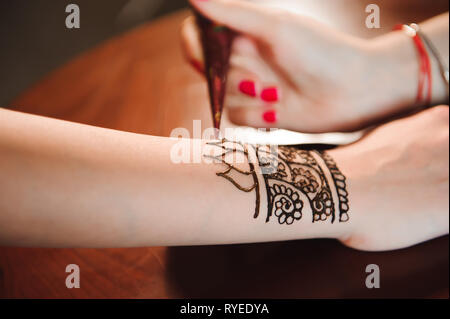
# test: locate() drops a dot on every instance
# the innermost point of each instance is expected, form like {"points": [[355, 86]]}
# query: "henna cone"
{"points": [[216, 43]]}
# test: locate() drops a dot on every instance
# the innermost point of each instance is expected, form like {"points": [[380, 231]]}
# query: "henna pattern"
{"points": [[298, 172], [297, 181], [227, 148], [341, 187]]}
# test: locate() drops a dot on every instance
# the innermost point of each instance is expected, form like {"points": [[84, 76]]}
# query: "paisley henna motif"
{"points": [[297, 181]]}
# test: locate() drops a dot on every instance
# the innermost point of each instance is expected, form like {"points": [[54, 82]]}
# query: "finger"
{"points": [[270, 116], [244, 100], [249, 75], [247, 56], [241, 16], [191, 44], [246, 89], [245, 46], [263, 117], [277, 116]]}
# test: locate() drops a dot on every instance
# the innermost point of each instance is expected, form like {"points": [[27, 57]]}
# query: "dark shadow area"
{"points": [[306, 269], [34, 39]]}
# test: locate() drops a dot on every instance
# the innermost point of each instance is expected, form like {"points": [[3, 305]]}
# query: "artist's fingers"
{"points": [[250, 103], [191, 44], [244, 75], [268, 117], [270, 114], [246, 89], [253, 90], [249, 74], [248, 100], [242, 16]]}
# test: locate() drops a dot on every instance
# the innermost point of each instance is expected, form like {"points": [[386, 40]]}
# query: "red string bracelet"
{"points": [[425, 62]]}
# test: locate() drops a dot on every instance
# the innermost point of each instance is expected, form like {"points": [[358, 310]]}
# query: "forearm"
{"points": [[71, 185]]}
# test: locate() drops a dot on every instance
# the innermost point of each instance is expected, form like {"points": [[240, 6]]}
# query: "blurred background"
{"points": [[34, 39]]}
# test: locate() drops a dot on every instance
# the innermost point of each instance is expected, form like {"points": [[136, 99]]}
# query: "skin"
{"points": [[399, 181], [70, 185], [330, 80]]}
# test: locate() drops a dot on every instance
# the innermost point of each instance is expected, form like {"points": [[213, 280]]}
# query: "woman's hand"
{"points": [[289, 71], [398, 182]]}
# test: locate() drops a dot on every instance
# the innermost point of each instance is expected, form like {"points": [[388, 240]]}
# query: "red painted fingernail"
{"points": [[198, 66], [248, 88], [270, 94], [270, 116]]}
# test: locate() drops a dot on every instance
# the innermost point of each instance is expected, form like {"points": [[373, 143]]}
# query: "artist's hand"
{"points": [[289, 71], [398, 181]]}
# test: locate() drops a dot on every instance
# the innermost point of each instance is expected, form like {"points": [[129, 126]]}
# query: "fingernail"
{"points": [[270, 116], [198, 66], [248, 88], [270, 94]]}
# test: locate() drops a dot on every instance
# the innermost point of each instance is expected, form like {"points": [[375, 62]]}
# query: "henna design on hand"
{"points": [[297, 181]]}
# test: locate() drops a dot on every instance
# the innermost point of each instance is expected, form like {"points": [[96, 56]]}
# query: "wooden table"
{"points": [[138, 82]]}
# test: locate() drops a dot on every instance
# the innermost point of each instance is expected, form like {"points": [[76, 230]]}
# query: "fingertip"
{"points": [[270, 94], [191, 44], [248, 87], [270, 117], [253, 117]]}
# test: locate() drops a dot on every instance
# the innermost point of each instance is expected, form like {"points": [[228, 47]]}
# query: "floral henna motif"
{"points": [[305, 180], [297, 182], [286, 204], [303, 173]]}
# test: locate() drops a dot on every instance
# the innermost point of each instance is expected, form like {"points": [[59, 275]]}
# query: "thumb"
{"points": [[191, 44], [241, 16]]}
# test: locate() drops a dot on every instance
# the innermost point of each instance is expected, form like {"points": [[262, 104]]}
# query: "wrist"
{"points": [[439, 85], [397, 60], [351, 163], [397, 63]]}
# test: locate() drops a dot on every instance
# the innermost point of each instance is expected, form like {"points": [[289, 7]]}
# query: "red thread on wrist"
{"points": [[424, 65]]}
